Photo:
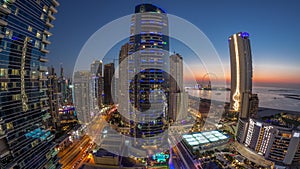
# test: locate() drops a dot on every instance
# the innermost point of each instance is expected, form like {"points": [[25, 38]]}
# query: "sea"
{"points": [[269, 97]]}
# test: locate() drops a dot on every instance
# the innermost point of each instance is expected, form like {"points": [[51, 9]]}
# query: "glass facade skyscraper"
{"points": [[109, 70], [96, 86], [241, 73], [148, 62], [25, 138], [82, 96], [176, 85]]}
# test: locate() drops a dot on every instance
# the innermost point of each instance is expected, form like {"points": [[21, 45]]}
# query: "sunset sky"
{"points": [[273, 26]]}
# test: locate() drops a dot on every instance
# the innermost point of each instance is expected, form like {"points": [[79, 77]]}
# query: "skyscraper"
{"points": [[123, 52], [241, 73], [176, 85], [148, 62], [123, 81], [62, 86], [109, 70], [241, 81], [53, 94], [82, 96], [25, 138], [96, 85], [60, 101]]}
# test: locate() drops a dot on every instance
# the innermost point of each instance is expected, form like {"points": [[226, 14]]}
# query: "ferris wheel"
{"points": [[207, 79]]}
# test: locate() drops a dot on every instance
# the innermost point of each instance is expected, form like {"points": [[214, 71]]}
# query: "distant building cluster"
{"points": [[60, 93]]}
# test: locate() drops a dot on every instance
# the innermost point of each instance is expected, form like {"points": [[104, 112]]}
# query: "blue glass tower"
{"points": [[148, 64], [25, 136]]}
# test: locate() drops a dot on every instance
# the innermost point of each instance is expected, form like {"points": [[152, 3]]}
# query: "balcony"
{"points": [[53, 9], [43, 78], [42, 59], [55, 3], [44, 98], [49, 24], [48, 33], [51, 17], [46, 41], [3, 23], [43, 69], [45, 108], [46, 116], [44, 50], [5, 10]]}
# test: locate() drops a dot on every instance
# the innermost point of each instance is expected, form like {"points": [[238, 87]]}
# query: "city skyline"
{"points": [[149, 84], [275, 63]]}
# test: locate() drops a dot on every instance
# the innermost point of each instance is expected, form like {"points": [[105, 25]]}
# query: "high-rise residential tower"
{"points": [[148, 62], [109, 70], [25, 138], [54, 95], [123, 81], [241, 73], [176, 85], [82, 96], [242, 101], [96, 86]]}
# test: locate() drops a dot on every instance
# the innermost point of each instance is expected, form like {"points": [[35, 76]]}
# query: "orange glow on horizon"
{"points": [[266, 73], [256, 79]]}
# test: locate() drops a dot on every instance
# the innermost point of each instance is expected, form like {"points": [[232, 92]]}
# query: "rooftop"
{"points": [[102, 152], [200, 138]]}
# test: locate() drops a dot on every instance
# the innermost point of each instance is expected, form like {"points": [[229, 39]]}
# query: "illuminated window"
{"points": [[43, 46], [9, 126], [8, 33], [286, 135], [4, 5], [3, 72], [3, 86], [38, 34], [17, 11], [42, 16], [45, 36], [16, 97], [34, 75], [37, 44], [45, 8], [35, 105], [15, 72], [29, 28]]}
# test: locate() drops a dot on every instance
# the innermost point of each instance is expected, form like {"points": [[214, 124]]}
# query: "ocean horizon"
{"points": [[269, 97]]}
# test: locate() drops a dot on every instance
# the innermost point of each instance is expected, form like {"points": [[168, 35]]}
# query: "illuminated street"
{"points": [[77, 152], [252, 156]]}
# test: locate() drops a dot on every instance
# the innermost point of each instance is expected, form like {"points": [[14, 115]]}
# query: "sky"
{"points": [[273, 26]]}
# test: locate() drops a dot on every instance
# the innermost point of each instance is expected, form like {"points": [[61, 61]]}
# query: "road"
{"points": [[252, 156], [75, 153]]}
